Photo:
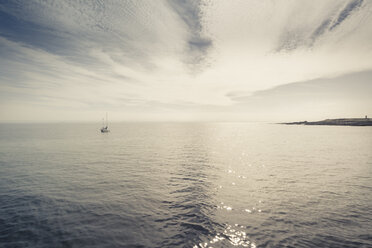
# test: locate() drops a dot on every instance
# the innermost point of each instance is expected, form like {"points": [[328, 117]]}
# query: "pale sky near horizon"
{"points": [[185, 60]]}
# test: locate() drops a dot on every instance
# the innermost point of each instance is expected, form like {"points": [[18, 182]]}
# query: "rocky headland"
{"points": [[336, 122]]}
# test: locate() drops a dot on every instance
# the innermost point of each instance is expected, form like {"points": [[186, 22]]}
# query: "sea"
{"points": [[185, 185]]}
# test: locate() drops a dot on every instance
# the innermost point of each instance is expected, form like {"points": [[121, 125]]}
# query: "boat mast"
{"points": [[106, 121]]}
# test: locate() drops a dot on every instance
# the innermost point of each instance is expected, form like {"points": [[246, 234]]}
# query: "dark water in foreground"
{"points": [[185, 185]]}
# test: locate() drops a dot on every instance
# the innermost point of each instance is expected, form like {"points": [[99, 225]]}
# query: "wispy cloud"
{"points": [[142, 58]]}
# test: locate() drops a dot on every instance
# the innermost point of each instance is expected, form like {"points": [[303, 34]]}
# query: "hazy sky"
{"points": [[185, 60]]}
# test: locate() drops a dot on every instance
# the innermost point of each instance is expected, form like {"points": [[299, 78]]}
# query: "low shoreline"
{"points": [[335, 122]]}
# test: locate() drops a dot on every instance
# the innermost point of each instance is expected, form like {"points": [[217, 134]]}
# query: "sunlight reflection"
{"points": [[235, 236]]}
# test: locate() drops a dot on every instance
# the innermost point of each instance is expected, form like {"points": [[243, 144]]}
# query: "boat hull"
{"points": [[104, 130]]}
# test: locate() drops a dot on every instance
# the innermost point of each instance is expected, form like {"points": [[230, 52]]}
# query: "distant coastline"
{"points": [[336, 122]]}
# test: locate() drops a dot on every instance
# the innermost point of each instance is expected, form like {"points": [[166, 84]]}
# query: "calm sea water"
{"points": [[185, 185]]}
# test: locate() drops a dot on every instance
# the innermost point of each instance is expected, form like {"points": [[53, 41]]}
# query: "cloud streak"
{"points": [[173, 59]]}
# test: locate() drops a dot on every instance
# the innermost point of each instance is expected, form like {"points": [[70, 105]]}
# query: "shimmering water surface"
{"points": [[185, 185]]}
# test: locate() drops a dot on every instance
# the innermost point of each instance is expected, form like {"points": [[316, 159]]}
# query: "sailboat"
{"points": [[104, 128]]}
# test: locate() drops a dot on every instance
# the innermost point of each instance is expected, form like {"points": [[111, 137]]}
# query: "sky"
{"points": [[182, 60]]}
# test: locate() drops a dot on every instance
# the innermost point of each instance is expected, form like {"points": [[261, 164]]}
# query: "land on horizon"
{"points": [[336, 122]]}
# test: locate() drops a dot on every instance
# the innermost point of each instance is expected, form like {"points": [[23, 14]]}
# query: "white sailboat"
{"points": [[104, 128]]}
